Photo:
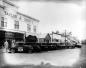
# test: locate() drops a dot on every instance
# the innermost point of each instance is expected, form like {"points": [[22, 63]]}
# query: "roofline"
{"points": [[10, 3], [28, 16]]}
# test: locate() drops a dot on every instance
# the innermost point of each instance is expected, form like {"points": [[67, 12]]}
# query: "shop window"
{"points": [[16, 24], [28, 27]]}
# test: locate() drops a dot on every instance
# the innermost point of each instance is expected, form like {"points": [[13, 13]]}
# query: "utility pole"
{"points": [[24, 37], [65, 37], [52, 37]]}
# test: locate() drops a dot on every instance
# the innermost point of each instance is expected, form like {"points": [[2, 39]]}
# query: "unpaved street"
{"points": [[65, 57]]}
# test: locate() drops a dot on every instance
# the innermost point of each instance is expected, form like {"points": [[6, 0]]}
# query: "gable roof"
{"points": [[48, 36], [10, 3]]}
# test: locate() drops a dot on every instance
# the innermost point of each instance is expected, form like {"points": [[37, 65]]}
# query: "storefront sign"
{"points": [[10, 14]]}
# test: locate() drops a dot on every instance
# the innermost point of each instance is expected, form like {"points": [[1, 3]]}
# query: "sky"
{"points": [[56, 15]]}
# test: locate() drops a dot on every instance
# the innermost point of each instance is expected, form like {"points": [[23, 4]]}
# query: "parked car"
{"points": [[21, 48]]}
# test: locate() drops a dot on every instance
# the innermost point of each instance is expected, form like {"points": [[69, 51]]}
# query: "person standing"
{"points": [[13, 43], [9, 42], [6, 46]]}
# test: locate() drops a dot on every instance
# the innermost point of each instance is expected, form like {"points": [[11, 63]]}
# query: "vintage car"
{"points": [[21, 48]]}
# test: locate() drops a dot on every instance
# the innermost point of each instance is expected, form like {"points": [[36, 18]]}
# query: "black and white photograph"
{"points": [[42, 33]]}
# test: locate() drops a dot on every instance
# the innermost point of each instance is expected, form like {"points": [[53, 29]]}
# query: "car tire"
{"points": [[12, 51]]}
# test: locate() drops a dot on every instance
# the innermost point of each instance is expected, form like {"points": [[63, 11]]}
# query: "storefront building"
{"points": [[15, 25]]}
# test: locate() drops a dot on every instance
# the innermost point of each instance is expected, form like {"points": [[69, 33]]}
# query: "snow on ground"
{"points": [[65, 57]]}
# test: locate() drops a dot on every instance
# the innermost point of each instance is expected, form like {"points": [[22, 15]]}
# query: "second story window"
{"points": [[3, 22], [16, 24], [28, 27], [34, 28]]}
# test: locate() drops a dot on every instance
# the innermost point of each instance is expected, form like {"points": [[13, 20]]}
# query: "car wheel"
{"points": [[12, 51]]}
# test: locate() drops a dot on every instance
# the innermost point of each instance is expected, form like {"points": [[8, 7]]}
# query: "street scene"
{"points": [[55, 58], [42, 34]]}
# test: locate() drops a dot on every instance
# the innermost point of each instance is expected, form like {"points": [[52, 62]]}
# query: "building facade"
{"points": [[44, 38], [15, 25]]}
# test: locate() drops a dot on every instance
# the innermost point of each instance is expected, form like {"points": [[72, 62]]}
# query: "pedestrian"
{"points": [[6, 46], [9, 42], [13, 43]]}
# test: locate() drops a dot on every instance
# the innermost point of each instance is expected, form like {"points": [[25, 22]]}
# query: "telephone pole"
{"points": [[52, 37], [65, 37]]}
